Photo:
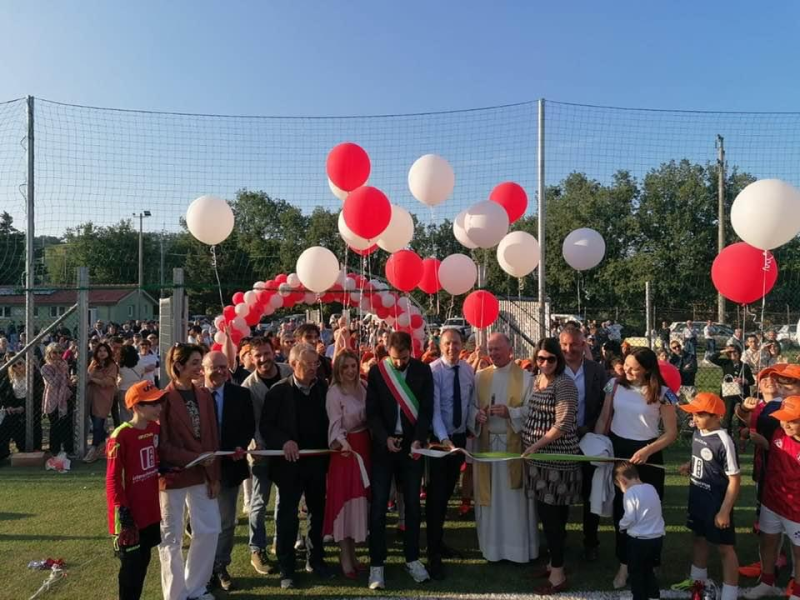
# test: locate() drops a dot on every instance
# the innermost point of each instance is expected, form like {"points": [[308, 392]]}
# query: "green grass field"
{"points": [[46, 514]]}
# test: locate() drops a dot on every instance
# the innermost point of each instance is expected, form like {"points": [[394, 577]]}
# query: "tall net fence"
{"points": [[647, 180]]}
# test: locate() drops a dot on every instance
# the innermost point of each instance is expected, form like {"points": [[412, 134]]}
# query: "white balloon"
{"points": [[413, 310], [268, 310], [458, 274], [365, 304], [210, 220], [219, 322], [293, 280], [486, 223], [349, 283], [259, 285], [240, 324], [461, 233], [241, 309], [337, 191], [355, 297], [518, 253], [390, 320], [403, 303], [350, 238], [310, 298], [388, 300], [399, 232], [431, 179], [583, 249], [284, 289], [220, 338], [317, 269], [420, 334], [403, 320], [250, 298], [766, 214], [276, 301]]}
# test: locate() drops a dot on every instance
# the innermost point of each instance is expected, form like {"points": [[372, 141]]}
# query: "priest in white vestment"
{"points": [[505, 516]]}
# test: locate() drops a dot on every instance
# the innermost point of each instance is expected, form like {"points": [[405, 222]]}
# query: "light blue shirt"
{"points": [[217, 394], [443, 396]]}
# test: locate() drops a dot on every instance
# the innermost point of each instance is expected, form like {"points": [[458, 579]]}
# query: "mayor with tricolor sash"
{"points": [[399, 412]]}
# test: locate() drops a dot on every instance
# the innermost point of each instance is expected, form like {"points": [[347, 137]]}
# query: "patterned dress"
{"points": [[554, 482]]}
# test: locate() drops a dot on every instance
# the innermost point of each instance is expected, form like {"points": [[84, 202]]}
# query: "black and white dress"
{"points": [[554, 482]]}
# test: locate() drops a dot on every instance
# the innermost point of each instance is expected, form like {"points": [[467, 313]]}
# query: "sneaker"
{"points": [[273, 548], [753, 570], [300, 544], [91, 455], [260, 563], [204, 596], [223, 578], [287, 583], [436, 569], [417, 571], [376, 581], [761, 590]]}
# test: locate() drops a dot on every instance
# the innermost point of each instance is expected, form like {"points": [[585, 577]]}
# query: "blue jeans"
{"points": [[711, 346], [98, 431], [259, 499]]}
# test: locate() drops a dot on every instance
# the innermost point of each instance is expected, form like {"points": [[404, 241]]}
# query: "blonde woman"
{"points": [[55, 401]]}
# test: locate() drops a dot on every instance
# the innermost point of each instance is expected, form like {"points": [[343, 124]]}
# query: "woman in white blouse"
{"points": [[637, 407]]}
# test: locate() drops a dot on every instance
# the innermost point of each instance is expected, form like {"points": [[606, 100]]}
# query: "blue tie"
{"points": [[456, 398], [218, 406]]}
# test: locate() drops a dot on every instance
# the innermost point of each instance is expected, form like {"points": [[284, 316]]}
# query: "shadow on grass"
{"points": [[11, 516], [21, 537]]}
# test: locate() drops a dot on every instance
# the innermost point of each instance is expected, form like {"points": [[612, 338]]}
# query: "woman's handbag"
{"points": [[730, 387]]}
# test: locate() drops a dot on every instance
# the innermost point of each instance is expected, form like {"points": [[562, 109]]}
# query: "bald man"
{"points": [[505, 517], [233, 407]]}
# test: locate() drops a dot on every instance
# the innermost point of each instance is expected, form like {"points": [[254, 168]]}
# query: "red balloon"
{"points": [[270, 286], [254, 316], [215, 347], [404, 270], [366, 252], [671, 375], [381, 311], [740, 275], [238, 298], [229, 312], [348, 166], [512, 197], [279, 279], [367, 212], [236, 336], [481, 309], [417, 321], [430, 276]]}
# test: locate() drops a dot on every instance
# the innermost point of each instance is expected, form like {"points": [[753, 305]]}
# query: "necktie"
{"points": [[218, 409], [456, 398]]}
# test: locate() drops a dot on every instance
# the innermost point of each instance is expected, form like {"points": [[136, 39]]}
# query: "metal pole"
{"points": [[83, 347], [161, 268], [540, 218], [648, 323], [30, 282], [141, 268], [720, 216]]}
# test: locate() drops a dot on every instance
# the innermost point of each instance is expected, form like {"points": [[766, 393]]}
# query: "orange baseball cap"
{"points": [[705, 402], [789, 410], [144, 391], [774, 370]]}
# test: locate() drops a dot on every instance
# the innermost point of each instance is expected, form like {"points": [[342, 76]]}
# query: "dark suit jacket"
{"points": [[595, 378], [382, 407], [177, 445], [280, 420], [238, 429]]}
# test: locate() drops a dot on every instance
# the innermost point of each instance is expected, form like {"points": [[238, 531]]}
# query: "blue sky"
{"points": [[341, 57], [315, 58]]}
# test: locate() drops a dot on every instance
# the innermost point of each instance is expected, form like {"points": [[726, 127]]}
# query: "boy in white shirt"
{"points": [[644, 524]]}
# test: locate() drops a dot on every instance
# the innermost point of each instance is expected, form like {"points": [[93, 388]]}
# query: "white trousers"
{"points": [[179, 582]]}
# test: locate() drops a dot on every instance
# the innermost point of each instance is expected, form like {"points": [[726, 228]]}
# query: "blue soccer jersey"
{"points": [[714, 458]]}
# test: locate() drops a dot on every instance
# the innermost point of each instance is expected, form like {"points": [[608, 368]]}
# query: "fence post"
{"points": [[720, 217], [30, 281], [540, 218], [648, 324], [83, 359], [178, 307]]}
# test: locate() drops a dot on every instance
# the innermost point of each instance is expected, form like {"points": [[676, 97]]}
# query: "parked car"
{"points": [[460, 324], [720, 331], [787, 333]]}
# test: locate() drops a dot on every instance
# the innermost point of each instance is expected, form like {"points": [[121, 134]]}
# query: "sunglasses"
{"points": [[546, 359]]}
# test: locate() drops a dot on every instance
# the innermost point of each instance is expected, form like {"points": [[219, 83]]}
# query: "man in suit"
{"points": [[294, 418], [590, 378], [233, 408], [399, 412]]}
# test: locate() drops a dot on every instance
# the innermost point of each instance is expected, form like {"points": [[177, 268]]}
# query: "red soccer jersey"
{"points": [[132, 475], [782, 481]]}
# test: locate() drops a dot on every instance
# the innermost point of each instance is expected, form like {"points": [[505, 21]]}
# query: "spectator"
{"points": [[736, 380], [101, 387], [689, 335], [286, 343], [755, 356], [308, 333], [130, 372], [708, 336], [663, 334], [148, 361], [736, 340], [13, 398], [58, 390], [687, 366]]}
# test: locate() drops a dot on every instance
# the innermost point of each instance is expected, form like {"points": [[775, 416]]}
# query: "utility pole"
{"points": [[161, 269], [141, 215], [721, 216]]}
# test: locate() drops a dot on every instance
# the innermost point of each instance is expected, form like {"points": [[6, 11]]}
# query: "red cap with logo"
{"points": [[144, 391]]}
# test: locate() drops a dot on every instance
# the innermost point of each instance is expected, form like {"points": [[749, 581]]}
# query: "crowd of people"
{"points": [[335, 421]]}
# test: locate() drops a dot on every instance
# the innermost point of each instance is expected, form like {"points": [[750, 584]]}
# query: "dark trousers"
{"points": [[730, 416], [591, 521], [624, 449], [12, 428], [309, 479], [554, 524], [385, 466], [134, 563], [442, 478], [643, 557], [98, 431], [60, 432]]}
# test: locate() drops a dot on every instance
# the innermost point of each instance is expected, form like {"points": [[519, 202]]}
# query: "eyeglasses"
{"points": [[546, 359], [675, 347]]}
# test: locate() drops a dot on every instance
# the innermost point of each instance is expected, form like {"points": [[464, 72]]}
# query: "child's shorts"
{"points": [[701, 522], [771, 522]]}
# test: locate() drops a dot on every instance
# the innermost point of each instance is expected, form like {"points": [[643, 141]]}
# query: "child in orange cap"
{"points": [[134, 514], [780, 501], [715, 483]]}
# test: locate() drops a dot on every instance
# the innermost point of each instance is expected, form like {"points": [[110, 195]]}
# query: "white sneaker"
{"points": [[417, 571], [376, 581], [761, 590], [206, 596], [91, 455]]}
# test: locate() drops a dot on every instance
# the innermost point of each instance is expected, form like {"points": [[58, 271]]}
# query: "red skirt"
{"points": [[347, 501]]}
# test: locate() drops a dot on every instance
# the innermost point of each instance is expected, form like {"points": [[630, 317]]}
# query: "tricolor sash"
{"points": [[397, 385]]}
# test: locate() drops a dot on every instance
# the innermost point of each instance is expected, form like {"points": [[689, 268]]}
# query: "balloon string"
{"points": [[216, 273]]}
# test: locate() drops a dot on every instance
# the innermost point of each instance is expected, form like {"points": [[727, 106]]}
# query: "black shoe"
{"points": [[436, 569], [591, 553], [223, 578], [448, 552], [321, 570]]}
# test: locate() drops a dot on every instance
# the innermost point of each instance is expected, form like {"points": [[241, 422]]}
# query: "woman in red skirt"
{"points": [[347, 503]]}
